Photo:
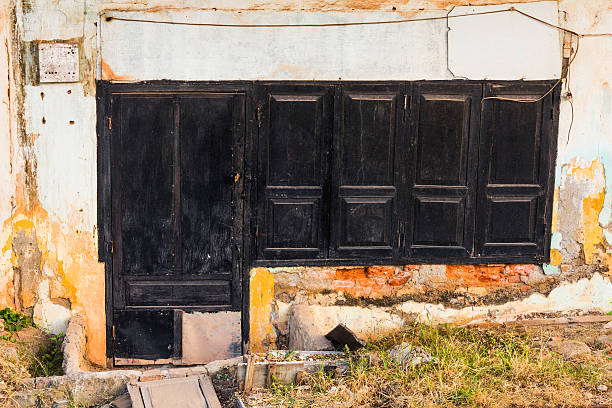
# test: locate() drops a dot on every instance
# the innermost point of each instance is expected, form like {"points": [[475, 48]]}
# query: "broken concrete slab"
{"points": [[189, 392], [304, 332]]}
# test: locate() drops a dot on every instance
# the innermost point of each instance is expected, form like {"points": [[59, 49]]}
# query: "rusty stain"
{"points": [[109, 75]]}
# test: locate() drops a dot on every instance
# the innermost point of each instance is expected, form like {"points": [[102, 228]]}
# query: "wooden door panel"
{"points": [[295, 126], [207, 179], [368, 129], [515, 161], [145, 197], [144, 334], [440, 212], [439, 221], [176, 158]]}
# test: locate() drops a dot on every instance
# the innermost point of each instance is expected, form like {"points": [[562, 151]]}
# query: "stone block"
{"points": [[25, 399], [304, 332], [215, 366]]}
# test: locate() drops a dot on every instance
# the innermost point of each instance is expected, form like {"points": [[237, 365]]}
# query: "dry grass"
{"points": [[474, 367]]}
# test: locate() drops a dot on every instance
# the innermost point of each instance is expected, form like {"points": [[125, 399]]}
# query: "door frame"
{"points": [[104, 92]]}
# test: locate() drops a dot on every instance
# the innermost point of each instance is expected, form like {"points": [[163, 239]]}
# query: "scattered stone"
{"points": [[24, 399], [608, 325], [373, 358], [570, 348], [602, 388], [406, 355], [603, 341], [124, 401], [64, 403]]}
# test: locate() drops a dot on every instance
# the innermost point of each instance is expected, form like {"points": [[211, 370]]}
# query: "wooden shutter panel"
{"points": [[295, 124], [366, 173], [514, 173], [446, 120]]}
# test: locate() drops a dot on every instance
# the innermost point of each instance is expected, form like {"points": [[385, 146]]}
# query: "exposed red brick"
{"points": [[514, 278], [398, 281], [385, 271], [355, 273], [476, 275], [520, 269], [366, 282], [343, 284], [359, 292], [322, 274]]}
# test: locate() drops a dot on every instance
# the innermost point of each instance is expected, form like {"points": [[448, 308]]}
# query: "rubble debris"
{"points": [[341, 337], [407, 356]]}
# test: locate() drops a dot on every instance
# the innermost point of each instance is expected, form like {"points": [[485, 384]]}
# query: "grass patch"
{"points": [[48, 360], [473, 367]]}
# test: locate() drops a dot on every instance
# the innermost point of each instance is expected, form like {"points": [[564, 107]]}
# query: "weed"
{"points": [[48, 360], [14, 322]]}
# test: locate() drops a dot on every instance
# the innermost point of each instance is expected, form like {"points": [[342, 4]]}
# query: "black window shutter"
{"points": [[366, 174], [295, 124], [440, 209], [515, 165]]}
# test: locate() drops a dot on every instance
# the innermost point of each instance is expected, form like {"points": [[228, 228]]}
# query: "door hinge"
{"points": [[110, 123], [110, 247], [113, 331]]}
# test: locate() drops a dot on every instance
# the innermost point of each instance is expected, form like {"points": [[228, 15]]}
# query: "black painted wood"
{"points": [[368, 131], [177, 160], [144, 334], [295, 124], [515, 163], [443, 162]]}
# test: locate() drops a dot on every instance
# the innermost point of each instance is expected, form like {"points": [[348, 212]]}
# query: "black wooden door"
{"points": [[368, 133], [295, 125], [516, 155], [176, 160], [442, 168]]}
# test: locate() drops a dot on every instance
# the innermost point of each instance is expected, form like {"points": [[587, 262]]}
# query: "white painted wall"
{"points": [[498, 46]]}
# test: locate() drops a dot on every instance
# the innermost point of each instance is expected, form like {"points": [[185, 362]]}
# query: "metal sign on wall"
{"points": [[58, 62]]}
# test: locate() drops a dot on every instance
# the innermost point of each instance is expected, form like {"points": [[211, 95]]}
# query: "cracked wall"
{"points": [[48, 241]]}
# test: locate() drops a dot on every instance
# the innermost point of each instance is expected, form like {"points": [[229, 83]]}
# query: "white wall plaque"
{"points": [[58, 62]]}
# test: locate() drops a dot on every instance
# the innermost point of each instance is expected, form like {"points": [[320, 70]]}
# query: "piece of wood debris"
{"points": [[188, 392]]}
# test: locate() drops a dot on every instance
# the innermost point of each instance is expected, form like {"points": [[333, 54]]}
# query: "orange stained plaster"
{"points": [[109, 75], [592, 204], [262, 333], [71, 256], [555, 257], [555, 216]]}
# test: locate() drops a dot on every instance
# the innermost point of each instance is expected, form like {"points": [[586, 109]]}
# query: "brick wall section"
{"points": [[395, 281]]}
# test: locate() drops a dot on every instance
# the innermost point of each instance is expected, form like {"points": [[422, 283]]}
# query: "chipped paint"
{"points": [[261, 292]]}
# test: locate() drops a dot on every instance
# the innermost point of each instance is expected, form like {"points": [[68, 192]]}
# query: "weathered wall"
{"points": [[48, 261]]}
